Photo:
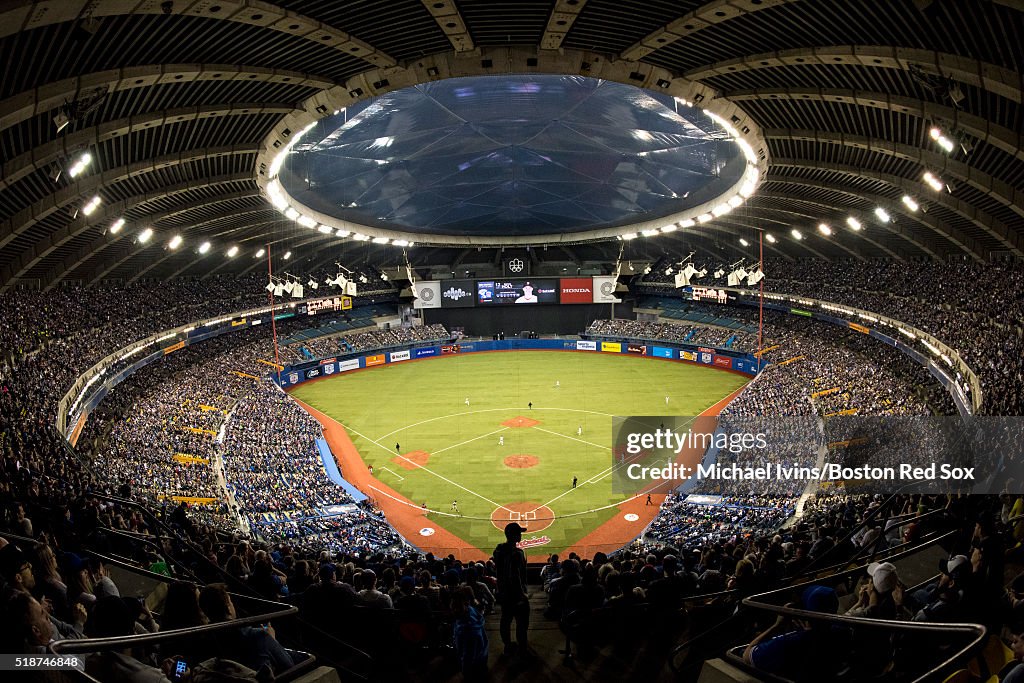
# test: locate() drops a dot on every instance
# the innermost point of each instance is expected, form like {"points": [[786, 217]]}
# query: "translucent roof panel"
{"points": [[521, 155]]}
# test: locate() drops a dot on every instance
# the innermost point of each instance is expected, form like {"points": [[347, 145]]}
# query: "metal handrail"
{"points": [[977, 631], [82, 645]]}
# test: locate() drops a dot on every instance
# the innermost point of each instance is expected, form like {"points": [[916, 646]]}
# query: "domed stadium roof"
{"points": [[519, 155], [183, 106]]}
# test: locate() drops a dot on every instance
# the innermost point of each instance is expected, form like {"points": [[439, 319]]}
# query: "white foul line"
{"points": [[573, 438], [429, 471], [400, 477]]}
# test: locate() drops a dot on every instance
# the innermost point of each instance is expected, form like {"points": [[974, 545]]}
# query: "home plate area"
{"points": [[520, 421], [412, 460], [532, 516]]}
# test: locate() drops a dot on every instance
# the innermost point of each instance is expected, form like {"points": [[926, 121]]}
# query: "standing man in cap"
{"points": [[510, 561]]}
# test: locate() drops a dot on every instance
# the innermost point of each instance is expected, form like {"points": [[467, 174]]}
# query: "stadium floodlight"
{"points": [[669, 228], [721, 209], [704, 218], [882, 214], [940, 139], [204, 247], [91, 205], [744, 242], [116, 226], [291, 214], [629, 236], [910, 202], [342, 233], [145, 235], [232, 251], [687, 223], [649, 232], [796, 234], [933, 181], [824, 229], [325, 229], [287, 255], [78, 167], [735, 201], [853, 223], [175, 242], [380, 240], [260, 253], [306, 221], [359, 237]]}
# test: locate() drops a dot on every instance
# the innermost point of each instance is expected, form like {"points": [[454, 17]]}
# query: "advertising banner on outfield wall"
{"points": [[604, 290], [450, 348], [313, 373], [424, 353], [636, 348], [397, 356], [611, 347], [662, 352], [329, 368], [375, 359], [428, 294], [723, 361], [706, 358], [688, 355], [346, 365], [584, 345]]}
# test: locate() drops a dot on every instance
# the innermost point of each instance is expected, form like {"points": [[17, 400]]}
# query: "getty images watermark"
{"points": [[787, 455]]}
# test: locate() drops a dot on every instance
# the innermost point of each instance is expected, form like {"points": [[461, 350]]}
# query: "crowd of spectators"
{"points": [[699, 335], [326, 347], [972, 307]]}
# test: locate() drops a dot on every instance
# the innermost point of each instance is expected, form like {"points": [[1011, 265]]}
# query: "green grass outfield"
{"points": [[420, 405]]}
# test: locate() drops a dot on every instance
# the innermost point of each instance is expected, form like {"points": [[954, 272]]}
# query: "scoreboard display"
{"points": [[510, 291]]}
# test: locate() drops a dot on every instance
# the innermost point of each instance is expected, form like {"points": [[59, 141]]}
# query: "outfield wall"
{"points": [[743, 363]]}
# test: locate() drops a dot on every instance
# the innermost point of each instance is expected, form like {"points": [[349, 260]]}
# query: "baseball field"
{"points": [[453, 448]]}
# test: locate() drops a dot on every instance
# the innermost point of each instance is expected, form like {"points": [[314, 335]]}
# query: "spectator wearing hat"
{"points": [[802, 650], [882, 596], [510, 565], [940, 601]]}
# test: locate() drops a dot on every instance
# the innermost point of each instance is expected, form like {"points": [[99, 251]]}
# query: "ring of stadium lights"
{"points": [[513, 59]]}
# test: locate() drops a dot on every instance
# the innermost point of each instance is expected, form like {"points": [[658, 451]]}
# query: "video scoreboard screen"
{"points": [[517, 291], [514, 291]]}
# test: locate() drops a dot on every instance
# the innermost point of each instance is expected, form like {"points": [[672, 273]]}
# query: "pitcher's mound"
{"points": [[520, 421], [520, 462], [529, 515]]}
